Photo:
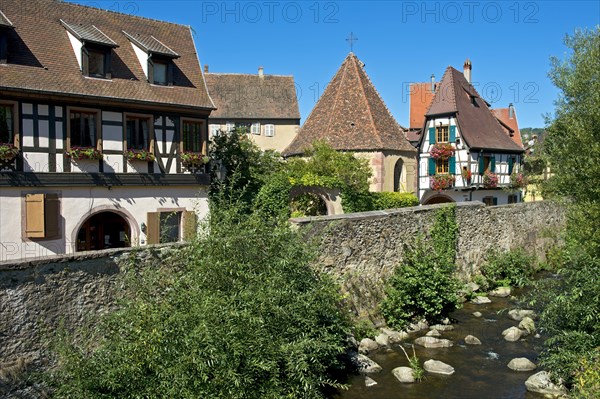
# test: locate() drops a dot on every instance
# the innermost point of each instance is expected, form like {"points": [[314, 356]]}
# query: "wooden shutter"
{"points": [[51, 215], [481, 164], [452, 134], [495, 200], [511, 165], [34, 216], [432, 135], [85, 62], [153, 227], [107, 64], [170, 73], [190, 225], [432, 166], [150, 70], [452, 165], [492, 164]]}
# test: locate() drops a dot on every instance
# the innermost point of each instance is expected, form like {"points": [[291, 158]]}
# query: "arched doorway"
{"points": [[398, 175], [103, 230], [438, 199]]}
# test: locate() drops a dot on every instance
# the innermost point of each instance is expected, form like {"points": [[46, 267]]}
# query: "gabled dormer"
{"points": [[93, 49], [155, 58], [5, 27]]}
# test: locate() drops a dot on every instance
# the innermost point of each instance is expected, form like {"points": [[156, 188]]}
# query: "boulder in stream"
{"points": [[477, 314], [519, 314], [500, 292], [435, 366], [480, 300], [432, 342], [404, 374], [433, 333], [365, 365], [471, 340], [521, 364], [383, 340], [512, 334], [394, 337], [442, 327], [367, 345], [369, 382], [527, 324], [541, 383]]}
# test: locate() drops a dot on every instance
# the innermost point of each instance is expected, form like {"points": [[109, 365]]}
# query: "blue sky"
{"points": [[508, 42]]}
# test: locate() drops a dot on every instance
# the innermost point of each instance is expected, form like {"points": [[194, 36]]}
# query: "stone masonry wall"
{"points": [[361, 250]]}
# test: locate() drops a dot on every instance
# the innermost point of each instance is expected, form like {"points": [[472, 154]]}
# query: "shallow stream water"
{"points": [[481, 371]]}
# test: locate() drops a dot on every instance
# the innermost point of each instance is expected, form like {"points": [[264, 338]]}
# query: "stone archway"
{"points": [[103, 230], [331, 197], [438, 199]]}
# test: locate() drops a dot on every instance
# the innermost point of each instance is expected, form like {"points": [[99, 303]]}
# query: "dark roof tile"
{"points": [[350, 116], [4, 21]]}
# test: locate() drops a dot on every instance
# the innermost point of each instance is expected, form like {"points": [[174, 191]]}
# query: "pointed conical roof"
{"points": [[478, 126], [350, 116]]}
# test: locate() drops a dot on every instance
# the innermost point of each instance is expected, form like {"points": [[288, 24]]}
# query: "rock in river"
{"points": [[471, 340], [521, 364], [367, 345], [541, 383], [519, 314], [432, 342], [435, 366], [480, 300], [512, 334], [404, 374]]}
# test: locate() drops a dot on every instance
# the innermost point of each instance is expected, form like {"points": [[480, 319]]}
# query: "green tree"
{"points": [[239, 314], [571, 306]]}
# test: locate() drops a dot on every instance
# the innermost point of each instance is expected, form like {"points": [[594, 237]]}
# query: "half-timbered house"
{"points": [[103, 130]]}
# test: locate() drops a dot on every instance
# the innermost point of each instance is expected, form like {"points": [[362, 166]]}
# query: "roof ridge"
{"points": [[362, 87], [437, 90], [68, 3]]}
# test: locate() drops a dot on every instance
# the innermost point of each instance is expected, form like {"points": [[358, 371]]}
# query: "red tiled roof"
{"points": [[240, 96], [479, 127], [350, 116], [41, 58], [503, 115], [420, 100]]}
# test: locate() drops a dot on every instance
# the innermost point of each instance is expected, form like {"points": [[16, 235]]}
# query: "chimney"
{"points": [[467, 70], [432, 83], [205, 68], [511, 111], [261, 72]]}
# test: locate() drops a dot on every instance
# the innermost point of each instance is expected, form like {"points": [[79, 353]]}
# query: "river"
{"points": [[481, 371]]}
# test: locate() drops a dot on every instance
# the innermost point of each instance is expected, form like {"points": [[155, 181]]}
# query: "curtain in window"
{"points": [[6, 124]]}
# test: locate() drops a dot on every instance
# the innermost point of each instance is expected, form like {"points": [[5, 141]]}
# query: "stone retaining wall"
{"points": [[361, 250]]}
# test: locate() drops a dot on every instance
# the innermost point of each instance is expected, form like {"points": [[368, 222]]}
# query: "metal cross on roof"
{"points": [[351, 39]]}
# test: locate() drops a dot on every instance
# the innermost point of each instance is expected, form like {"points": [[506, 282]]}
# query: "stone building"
{"points": [[265, 106], [351, 116], [103, 124]]}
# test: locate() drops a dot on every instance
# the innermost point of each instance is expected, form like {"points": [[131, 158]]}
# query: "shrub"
{"points": [[587, 377], [512, 267], [392, 200], [240, 314], [423, 285]]}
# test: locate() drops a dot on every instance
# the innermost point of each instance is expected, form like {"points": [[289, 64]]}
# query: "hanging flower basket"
{"points": [[140, 155], [441, 151], [78, 153], [193, 159], [8, 152], [490, 180], [517, 181], [441, 182]]}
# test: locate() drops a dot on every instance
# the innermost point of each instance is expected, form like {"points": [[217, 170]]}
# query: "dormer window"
{"points": [[93, 49], [155, 58], [5, 26]]}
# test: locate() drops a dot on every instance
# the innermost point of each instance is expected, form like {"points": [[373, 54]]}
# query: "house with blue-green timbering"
{"points": [[467, 151]]}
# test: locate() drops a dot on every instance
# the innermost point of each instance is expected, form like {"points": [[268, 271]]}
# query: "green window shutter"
{"points": [[493, 164], [432, 166], [432, 135], [495, 201], [452, 134], [481, 164], [511, 165], [452, 165]]}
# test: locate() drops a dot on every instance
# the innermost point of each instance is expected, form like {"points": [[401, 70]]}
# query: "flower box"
{"points": [[441, 151], [193, 159], [467, 175], [517, 181], [441, 182], [8, 152], [139, 155], [490, 180], [79, 153]]}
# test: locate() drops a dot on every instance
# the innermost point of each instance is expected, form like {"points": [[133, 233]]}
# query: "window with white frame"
{"points": [[269, 130], [255, 128], [214, 130], [229, 126]]}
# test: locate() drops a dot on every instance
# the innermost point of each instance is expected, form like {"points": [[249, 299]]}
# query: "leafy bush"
{"points": [[587, 378], [392, 200], [423, 285], [273, 198], [513, 267], [363, 329], [240, 314]]}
